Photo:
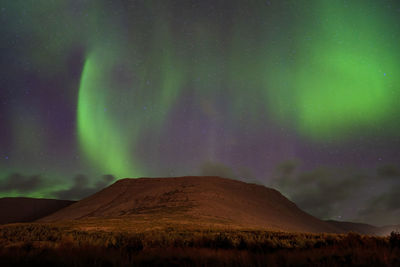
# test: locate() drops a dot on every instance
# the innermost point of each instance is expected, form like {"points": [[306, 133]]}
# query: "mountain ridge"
{"points": [[199, 198]]}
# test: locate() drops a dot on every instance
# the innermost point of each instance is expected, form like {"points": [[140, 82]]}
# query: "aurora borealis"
{"points": [[145, 88]]}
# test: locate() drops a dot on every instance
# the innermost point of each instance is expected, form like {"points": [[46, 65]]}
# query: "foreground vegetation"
{"points": [[52, 245]]}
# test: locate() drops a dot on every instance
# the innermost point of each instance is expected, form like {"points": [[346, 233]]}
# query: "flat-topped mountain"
{"points": [[197, 199], [23, 209]]}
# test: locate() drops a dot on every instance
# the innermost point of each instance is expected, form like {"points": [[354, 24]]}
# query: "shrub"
{"points": [[395, 239]]}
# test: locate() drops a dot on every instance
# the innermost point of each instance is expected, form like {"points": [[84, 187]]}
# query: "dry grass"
{"points": [[63, 245]]}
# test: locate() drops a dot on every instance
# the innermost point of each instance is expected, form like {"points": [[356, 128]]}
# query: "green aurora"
{"points": [[344, 76], [331, 75]]}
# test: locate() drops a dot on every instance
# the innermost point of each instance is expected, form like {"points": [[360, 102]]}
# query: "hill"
{"points": [[200, 200], [21, 209], [363, 228]]}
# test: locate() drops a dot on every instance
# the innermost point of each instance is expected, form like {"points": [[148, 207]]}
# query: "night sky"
{"points": [[300, 95]]}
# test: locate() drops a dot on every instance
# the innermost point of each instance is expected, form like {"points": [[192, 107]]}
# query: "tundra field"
{"points": [[38, 244]]}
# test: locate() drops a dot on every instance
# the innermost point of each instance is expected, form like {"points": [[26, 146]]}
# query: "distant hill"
{"points": [[363, 228], [21, 209], [197, 199]]}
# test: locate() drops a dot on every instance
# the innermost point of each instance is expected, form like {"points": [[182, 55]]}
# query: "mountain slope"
{"points": [[197, 199], [21, 209]]}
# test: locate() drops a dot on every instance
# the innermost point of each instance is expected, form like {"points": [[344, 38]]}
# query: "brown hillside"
{"points": [[196, 199], [21, 209]]}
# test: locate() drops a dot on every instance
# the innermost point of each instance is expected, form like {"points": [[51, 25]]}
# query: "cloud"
{"points": [[105, 181], [321, 192], [81, 188], [18, 184], [342, 194], [385, 205], [217, 169], [388, 171], [21, 184]]}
